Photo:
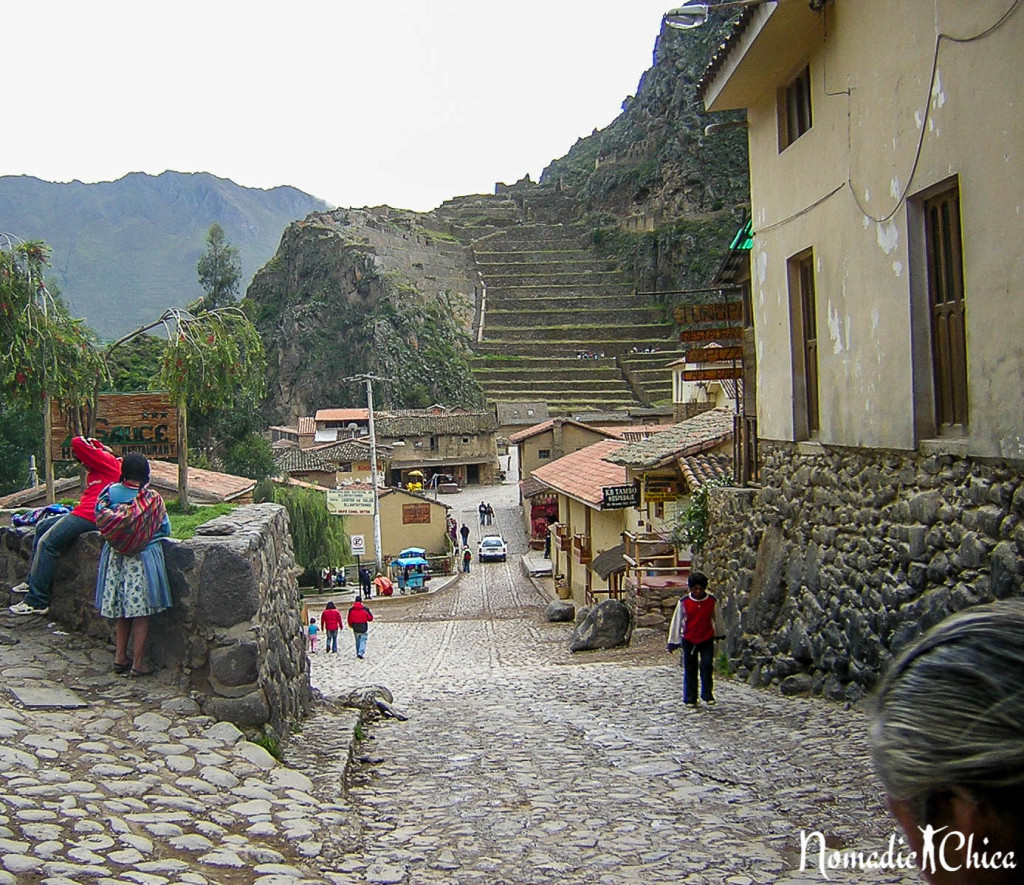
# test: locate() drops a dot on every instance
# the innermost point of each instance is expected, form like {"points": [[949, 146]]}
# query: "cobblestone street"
{"points": [[522, 763], [519, 763]]}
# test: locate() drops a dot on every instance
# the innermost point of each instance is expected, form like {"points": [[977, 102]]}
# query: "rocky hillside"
{"points": [[404, 295], [126, 250]]}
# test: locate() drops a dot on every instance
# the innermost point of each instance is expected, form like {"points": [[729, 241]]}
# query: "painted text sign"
{"points": [[145, 423], [620, 497], [729, 312], [714, 354], [725, 373], [350, 502], [695, 336]]}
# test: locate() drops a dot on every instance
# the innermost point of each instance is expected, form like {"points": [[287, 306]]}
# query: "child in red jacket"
{"points": [[693, 630], [330, 620], [359, 617]]}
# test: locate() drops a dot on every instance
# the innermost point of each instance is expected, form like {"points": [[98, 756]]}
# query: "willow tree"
{"points": [[46, 355], [211, 357]]}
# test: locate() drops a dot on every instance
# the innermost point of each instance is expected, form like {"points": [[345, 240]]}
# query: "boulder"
{"points": [[561, 610], [605, 625]]}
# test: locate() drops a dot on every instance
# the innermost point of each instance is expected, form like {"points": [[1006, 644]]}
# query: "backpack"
{"points": [[129, 527]]}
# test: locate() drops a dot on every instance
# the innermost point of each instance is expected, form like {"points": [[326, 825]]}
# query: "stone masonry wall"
{"points": [[233, 637], [843, 556]]}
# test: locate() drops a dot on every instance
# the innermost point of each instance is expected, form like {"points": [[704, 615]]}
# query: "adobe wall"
{"points": [[844, 555], [233, 637]]}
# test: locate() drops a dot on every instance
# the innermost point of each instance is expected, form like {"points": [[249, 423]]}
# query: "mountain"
{"points": [[432, 302], [124, 251]]}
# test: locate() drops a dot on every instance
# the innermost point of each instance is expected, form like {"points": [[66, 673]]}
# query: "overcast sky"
{"points": [[358, 102]]}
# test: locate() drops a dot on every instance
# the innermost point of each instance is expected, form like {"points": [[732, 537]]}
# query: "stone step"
{"points": [[556, 278], [608, 385], [596, 336], [544, 267], [570, 306], [487, 375], [554, 347], [567, 292], [526, 238], [501, 259], [628, 316]]}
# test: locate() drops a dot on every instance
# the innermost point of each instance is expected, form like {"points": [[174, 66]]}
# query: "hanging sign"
{"points": [[620, 497], [696, 336], [713, 354], [725, 373], [729, 312], [660, 489]]}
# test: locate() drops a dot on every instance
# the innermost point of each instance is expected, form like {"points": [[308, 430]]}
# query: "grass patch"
{"points": [[270, 744], [184, 525]]}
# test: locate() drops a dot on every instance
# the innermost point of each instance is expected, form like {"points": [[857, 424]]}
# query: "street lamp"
{"points": [[694, 15]]}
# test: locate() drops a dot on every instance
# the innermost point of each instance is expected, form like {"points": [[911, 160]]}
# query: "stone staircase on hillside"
{"points": [[546, 301]]}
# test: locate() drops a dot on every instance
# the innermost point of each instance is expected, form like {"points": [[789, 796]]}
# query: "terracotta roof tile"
{"points": [[205, 486], [340, 415], [696, 434], [583, 474], [699, 469]]}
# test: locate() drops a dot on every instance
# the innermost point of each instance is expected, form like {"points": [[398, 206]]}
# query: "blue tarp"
{"points": [[407, 561], [412, 553]]}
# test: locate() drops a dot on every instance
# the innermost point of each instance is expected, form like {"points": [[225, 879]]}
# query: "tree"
{"points": [[250, 456], [317, 535], [220, 271]]}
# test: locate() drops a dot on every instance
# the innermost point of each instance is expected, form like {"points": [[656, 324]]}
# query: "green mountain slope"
{"points": [[125, 250]]}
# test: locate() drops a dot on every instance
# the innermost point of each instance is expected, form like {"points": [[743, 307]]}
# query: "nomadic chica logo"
{"points": [[942, 849]]}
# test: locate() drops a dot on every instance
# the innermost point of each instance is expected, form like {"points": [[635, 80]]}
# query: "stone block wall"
{"points": [[234, 636], [844, 555]]}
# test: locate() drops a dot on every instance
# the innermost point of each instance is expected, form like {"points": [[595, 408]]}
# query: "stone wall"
{"points": [[844, 555], [233, 637]]}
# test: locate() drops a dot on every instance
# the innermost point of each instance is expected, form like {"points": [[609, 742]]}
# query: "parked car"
{"points": [[492, 547]]}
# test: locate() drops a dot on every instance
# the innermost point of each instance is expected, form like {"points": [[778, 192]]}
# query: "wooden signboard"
{"points": [[695, 336], [714, 354], [146, 423], [729, 312], [725, 373], [415, 514], [660, 489]]}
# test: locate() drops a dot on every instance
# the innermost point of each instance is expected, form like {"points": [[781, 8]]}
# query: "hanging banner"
{"points": [[145, 423]]}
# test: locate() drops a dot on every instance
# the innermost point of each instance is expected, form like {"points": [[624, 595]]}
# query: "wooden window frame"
{"points": [[795, 110], [804, 331]]}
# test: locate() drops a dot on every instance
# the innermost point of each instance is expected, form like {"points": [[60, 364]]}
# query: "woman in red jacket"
{"points": [[359, 617], [54, 535], [330, 620]]}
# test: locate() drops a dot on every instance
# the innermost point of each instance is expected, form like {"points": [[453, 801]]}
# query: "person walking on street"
{"points": [[693, 630], [467, 558], [330, 620], [364, 582], [55, 534], [489, 514], [483, 512], [464, 531], [312, 632], [359, 617]]}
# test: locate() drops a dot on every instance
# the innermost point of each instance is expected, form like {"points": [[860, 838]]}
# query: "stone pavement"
{"points": [[519, 763]]}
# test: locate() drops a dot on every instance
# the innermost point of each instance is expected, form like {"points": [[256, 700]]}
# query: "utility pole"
{"points": [[369, 379]]}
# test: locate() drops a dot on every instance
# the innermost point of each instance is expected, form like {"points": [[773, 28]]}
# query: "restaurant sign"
{"points": [[697, 336], [713, 354], [728, 312], [723, 373], [620, 497], [145, 423], [350, 502]]}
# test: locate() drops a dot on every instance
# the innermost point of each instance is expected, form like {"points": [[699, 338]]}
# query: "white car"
{"points": [[492, 547]]}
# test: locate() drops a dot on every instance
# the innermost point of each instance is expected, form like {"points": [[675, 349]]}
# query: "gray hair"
{"points": [[950, 710]]}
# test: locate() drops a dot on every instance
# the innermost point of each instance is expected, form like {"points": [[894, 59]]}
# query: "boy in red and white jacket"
{"points": [[693, 630]]}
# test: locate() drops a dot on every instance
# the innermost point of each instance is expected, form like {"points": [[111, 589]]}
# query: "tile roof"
{"points": [[69, 487], [307, 426], [544, 426], [521, 412], [339, 415], [702, 468], [723, 52], [204, 486], [350, 450], [696, 434], [301, 461], [583, 474], [392, 425]]}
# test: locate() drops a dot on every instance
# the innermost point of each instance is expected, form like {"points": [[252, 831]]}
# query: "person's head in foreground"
{"points": [[947, 737]]}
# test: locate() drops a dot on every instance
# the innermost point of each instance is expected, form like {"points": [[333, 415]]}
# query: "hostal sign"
{"points": [[146, 423], [620, 497]]}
